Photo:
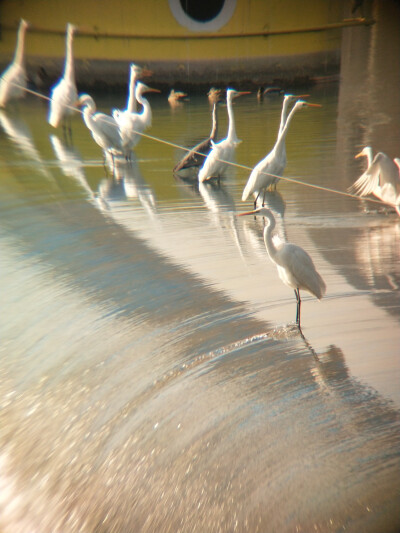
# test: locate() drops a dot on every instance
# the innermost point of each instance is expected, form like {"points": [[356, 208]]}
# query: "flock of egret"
{"points": [[118, 134]]}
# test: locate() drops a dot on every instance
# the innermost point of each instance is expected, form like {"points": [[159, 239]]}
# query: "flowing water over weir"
{"points": [[152, 378]]}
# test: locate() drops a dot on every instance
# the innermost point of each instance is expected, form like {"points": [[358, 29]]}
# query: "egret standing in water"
{"points": [[380, 179], [132, 125], [64, 94], [198, 153], [131, 105], [295, 267], [103, 128], [222, 153], [266, 173], [13, 81]]}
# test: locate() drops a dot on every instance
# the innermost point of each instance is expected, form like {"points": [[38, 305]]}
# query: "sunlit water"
{"points": [[152, 377]]}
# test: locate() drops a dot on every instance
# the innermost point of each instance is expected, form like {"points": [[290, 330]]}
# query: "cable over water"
{"points": [[297, 181]]}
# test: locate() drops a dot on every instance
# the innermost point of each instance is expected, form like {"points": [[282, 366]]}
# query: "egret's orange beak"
{"points": [[241, 93], [361, 154], [313, 105], [150, 90], [247, 213], [301, 95]]}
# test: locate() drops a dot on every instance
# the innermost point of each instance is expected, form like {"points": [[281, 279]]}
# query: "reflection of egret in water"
{"points": [[71, 165], [111, 189], [134, 184], [221, 207], [17, 131], [379, 253], [127, 183]]}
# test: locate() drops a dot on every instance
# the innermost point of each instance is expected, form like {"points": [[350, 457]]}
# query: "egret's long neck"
{"points": [[370, 155], [269, 243], [231, 128], [284, 113], [19, 50], [88, 112], [131, 105], [280, 142], [69, 58], [146, 111], [214, 127]]}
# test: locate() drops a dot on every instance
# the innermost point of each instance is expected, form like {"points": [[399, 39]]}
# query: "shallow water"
{"points": [[152, 378]]}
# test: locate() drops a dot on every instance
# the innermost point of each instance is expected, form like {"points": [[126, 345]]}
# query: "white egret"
{"points": [[222, 153], [198, 153], [131, 105], [131, 125], [295, 267], [175, 98], [380, 179], [288, 98], [13, 81], [64, 94], [265, 174], [104, 128]]}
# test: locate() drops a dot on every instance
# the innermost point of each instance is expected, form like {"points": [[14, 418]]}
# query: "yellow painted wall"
{"points": [[137, 18]]}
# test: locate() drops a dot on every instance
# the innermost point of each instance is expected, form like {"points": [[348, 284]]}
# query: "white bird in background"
{"points": [[103, 128], [380, 179], [131, 125], [13, 81], [64, 94], [131, 105], [288, 98], [265, 174], [175, 98], [222, 153], [295, 267]]}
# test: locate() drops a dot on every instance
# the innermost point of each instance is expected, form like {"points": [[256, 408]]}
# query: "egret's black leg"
{"points": [[298, 300], [69, 129], [255, 201], [263, 203]]}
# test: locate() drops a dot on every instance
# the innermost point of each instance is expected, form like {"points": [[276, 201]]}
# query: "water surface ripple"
{"points": [[152, 378]]}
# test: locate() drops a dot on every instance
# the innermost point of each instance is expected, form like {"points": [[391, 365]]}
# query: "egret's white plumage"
{"points": [[295, 267], [215, 165], [131, 104], [265, 174], [131, 125], [103, 128], [13, 81], [64, 94], [380, 179]]}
